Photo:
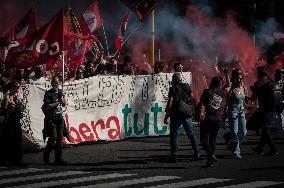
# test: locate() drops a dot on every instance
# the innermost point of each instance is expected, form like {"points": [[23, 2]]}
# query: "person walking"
{"points": [[235, 111], [178, 90], [262, 92], [211, 99], [54, 124]]}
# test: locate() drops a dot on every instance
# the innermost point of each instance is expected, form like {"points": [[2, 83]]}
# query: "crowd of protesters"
{"points": [[223, 102]]}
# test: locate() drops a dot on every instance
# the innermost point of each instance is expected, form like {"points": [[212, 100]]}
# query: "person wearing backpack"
{"points": [[211, 99], [179, 92], [262, 92]]}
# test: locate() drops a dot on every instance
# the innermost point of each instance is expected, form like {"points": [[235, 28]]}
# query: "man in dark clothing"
{"points": [[54, 125], [262, 91], [89, 69], [178, 90]]}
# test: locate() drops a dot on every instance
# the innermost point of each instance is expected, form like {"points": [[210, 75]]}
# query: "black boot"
{"points": [[46, 153], [58, 157]]}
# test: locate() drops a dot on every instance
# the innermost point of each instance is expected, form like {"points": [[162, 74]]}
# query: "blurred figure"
{"points": [[38, 74], [125, 67], [113, 67], [262, 92], [11, 132], [79, 73], [89, 69], [100, 70], [158, 67]]}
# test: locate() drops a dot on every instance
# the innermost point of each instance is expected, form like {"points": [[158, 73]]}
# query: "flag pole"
{"points": [[153, 37], [63, 67], [105, 37], [63, 52]]}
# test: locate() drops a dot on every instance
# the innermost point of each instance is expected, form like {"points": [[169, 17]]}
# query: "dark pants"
{"points": [[175, 124], [266, 137], [208, 134], [11, 142], [55, 138]]}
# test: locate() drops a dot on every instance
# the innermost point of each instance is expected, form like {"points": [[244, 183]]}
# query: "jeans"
{"points": [[266, 137], [208, 133], [55, 138], [189, 130], [237, 125]]}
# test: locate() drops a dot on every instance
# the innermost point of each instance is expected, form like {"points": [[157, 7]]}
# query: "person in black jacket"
{"points": [[262, 92], [177, 91], [54, 124]]}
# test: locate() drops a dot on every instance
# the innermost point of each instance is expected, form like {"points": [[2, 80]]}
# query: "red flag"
{"points": [[75, 42], [27, 25], [91, 19], [121, 33], [43, 46], [142, 8], [77, 50]]}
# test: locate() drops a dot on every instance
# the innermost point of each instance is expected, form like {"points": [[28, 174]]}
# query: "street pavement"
{"points": [[142, 162]]}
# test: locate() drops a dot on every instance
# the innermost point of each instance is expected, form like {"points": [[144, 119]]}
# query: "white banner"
{"points": [[104, 107]]}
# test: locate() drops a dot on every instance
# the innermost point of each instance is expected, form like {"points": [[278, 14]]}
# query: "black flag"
{"points": [[142, 8]]}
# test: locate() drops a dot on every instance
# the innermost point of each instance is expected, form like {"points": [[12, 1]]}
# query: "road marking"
{"points": [[190, 183], [21, 171], [131, 182], [74, 180], [253, 184], [42, 176]]}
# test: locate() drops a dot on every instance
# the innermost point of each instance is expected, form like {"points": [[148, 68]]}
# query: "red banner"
{"points": [[43, 46]]}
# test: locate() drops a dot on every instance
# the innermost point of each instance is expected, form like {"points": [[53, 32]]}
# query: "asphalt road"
{"points": [[142, 162]]}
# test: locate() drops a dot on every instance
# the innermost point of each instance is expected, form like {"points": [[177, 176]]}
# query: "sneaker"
{"points": [[258, 150], [237, 156], [197, 157], [226, 137], [211, 161]]}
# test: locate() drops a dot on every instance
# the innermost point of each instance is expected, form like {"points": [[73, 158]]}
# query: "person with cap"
{"points": [[178, 90], [262, 92]]}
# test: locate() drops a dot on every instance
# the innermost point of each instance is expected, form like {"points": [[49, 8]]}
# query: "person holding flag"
{"points": [[54, 124]]}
